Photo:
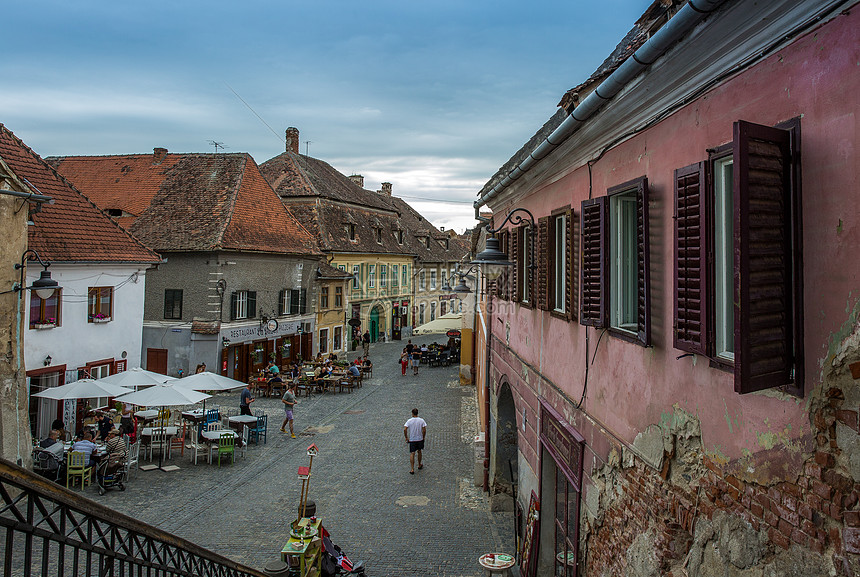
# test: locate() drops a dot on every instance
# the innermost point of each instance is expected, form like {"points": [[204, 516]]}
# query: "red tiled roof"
{"points": [[72, 229], [191, 202]]}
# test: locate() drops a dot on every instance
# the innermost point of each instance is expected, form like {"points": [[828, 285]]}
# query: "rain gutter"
{"points": [[687, 18]]}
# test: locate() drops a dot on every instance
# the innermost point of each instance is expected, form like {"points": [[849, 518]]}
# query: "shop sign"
{"points": [[404, 303], [564, 443], [452, 333], [241, 334]]}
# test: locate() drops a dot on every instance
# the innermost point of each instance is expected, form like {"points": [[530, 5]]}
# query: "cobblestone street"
{"points": [[433, 523]]}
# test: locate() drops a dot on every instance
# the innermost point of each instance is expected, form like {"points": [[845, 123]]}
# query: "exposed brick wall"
{"points": [[818, 510]]}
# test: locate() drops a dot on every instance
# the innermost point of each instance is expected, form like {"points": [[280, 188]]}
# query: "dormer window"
{"points": [[379, 235], [114, 212], [446, 243], [351, 228], [427, 241], [399, 237]]}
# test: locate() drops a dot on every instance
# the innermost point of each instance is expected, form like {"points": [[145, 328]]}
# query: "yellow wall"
{"points": [[332, 317]]}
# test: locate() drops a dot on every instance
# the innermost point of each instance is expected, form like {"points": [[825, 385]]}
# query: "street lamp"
{"points": [[494, 261], [45, 286]]}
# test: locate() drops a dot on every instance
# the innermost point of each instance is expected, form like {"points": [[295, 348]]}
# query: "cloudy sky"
{"points": [[431, 97]]}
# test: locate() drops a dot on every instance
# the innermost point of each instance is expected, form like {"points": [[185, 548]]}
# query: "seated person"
{"points": [[354, 371], [367, 364], [424, 348], [87, 447], [318, 372], [358, 361], [59, 425], [51, 440], [272, 368], [116, 451], [332, 357]]}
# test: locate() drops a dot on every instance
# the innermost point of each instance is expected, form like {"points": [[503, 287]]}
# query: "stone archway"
{"points": [[504, 460]]}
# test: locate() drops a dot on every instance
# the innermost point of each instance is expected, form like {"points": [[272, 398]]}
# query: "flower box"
{"points": [[101, 320], [43, 326]]}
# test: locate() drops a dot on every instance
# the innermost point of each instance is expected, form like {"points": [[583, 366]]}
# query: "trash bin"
{"points": [[276, 568], [310, 509]]}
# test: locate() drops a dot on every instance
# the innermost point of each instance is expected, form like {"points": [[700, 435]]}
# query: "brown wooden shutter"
{"points": [[543, 274], [764, 339], [691, 286], [644, 265], [594, 264], [572, 265], [505, 278], [516, 289]]}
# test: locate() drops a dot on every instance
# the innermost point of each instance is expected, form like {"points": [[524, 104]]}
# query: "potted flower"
{"points": [[46, 323], [100, 318]]}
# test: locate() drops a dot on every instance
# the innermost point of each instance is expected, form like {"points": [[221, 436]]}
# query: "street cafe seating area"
{"points": [[309, 381]]}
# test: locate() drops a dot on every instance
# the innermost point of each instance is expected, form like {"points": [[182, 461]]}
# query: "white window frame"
{"points": [[433, 275], [560, 265], [623, 262], [383, 275], [356, 277], [371, 276], [422, 280], [395, 270], [337, 339], [421, 308], [724, 329], [323, 342], [433, 311], [404, 275], [241, 305]]}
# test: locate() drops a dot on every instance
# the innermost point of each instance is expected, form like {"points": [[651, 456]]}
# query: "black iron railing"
{"points": [[50, 530]]}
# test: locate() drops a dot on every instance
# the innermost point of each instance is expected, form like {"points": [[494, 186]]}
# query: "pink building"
{"points": [[674, 358]]}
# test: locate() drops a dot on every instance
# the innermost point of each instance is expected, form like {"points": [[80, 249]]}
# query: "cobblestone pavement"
{"points": [[433, 523]]}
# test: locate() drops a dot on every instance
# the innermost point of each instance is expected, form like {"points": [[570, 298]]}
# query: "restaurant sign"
{"points": [[240, 334], [563, 443]]}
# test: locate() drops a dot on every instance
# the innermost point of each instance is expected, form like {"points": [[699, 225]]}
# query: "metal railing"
{"points": [[50, 530]]}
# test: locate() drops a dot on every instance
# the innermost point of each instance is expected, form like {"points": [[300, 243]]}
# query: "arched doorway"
{"points": [[374, 324], [504, 461]]}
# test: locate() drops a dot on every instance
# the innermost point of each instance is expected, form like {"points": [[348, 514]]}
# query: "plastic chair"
{"points": [[76, 466], [133, 457], [46, 464], [227, 446], [260, 431], [178, 440], [246, 433], [196, 448], [211, 415]]}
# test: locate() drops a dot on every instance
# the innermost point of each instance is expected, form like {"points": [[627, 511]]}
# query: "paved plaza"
{"points": [[433, 523]]}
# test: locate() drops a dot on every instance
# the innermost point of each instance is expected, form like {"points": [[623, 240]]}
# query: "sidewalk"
{"points": [[434, 522]]}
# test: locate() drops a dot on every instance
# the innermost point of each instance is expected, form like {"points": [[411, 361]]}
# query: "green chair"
{"points": [[227, 446], [76, 466]]}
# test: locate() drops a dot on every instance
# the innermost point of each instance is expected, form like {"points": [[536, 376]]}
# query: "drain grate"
{"points": [[353, 412]]}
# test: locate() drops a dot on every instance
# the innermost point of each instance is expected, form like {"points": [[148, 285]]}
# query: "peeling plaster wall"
{"points": [[15, 441]]}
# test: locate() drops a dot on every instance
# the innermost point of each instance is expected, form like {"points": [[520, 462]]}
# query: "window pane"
{"points": [[560, 282], [724, 257], [623, 261]]}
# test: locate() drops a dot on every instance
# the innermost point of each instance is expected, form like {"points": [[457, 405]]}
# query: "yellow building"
{"points": [[332, 332]]}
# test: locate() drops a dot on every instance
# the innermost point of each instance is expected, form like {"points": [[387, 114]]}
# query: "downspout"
{"points": [[488, 332], [687, 18]]}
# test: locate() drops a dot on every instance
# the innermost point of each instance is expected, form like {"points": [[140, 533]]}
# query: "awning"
{"points": [[441, 325]]}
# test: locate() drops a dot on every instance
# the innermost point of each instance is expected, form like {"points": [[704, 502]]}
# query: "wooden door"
{"points": [[156, 360]]}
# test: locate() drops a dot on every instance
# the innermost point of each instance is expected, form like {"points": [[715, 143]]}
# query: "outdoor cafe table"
{"points": [[213, 436], [195, 416], [242, 421], [147, 415]]}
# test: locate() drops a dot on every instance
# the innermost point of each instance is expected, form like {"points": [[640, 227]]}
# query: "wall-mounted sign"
{"points": [[452, 333]]}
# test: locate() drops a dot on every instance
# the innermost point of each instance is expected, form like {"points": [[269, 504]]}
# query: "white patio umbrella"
{"points": [[164, 395], [136, 377], [207, 381], [440, 325], [83, 389]]}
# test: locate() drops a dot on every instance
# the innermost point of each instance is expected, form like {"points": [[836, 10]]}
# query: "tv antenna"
{"points": [[307, 144], [216, 144]]}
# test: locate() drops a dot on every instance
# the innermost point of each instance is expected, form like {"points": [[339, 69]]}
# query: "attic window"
{"points": [[351, 228], [427, 241], [114, 212], [446, 244], [399, 237], [379, 235]]}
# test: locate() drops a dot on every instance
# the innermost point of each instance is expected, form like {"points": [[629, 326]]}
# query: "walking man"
{"points": [[289, 400], [245, 400], [416, 360], [366, 341], [415, 430]]}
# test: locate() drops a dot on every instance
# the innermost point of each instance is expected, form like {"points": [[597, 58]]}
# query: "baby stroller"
{"points": [[111, 473]]}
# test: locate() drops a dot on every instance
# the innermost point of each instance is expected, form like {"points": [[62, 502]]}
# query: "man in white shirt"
{"points": [[415, 430]]}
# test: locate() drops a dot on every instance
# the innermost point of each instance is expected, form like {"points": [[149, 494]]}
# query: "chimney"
{"points": [[357, 179], [158, 155], [292, 140], [386, 188]]}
